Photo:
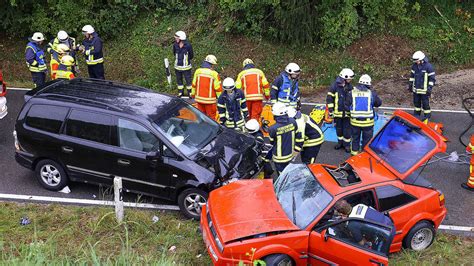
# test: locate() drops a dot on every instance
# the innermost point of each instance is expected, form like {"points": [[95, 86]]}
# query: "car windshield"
{"points": [[187, 128], [300, 195], [401, 144]]}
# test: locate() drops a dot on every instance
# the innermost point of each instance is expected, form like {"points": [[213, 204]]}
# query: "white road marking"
{"points": [[18, 89], [456, 228], [87, 202]]}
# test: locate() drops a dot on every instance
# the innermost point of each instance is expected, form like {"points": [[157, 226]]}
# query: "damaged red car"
{"points": [[292, 221]]}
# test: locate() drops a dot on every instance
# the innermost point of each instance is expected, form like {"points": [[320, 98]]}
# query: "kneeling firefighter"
{"points": [[253, 128], [311, 135], [232, 106]]}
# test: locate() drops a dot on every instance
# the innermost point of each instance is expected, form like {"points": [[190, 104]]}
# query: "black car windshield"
{"points": [[300, 195], [187, 128]]}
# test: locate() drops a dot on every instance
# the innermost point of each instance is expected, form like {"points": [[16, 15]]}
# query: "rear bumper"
{"points": [[24, 159], [438, 219]]}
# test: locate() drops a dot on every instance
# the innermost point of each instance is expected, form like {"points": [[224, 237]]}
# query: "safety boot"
{"points": [[338, 146]]}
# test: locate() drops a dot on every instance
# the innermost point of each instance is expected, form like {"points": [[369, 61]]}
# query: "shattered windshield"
{"points": [[300, 195], [401, 144], [187, 128]]}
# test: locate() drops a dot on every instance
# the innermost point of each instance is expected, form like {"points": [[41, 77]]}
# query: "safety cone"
{"points": [[469, 185]]}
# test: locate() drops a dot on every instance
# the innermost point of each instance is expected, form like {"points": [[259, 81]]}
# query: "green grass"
{"points": [[64, 235]]}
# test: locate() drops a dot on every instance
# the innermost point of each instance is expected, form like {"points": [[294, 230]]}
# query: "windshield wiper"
{"points": [[293, 206]]}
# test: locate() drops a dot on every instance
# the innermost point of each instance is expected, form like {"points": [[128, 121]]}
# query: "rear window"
{"points": [[391, 197], [46, 117], [89, 126]]}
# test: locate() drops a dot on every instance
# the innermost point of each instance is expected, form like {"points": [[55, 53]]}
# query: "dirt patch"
{"points": [[380, 49]]}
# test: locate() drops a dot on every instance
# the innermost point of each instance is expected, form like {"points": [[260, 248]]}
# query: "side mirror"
{"points": [[153, 155], [327, 232]]}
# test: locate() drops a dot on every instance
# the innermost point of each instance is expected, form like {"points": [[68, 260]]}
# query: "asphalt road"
{"points": [[445, 176]]}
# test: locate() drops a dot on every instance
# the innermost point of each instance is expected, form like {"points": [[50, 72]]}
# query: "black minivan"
{"points": [[94, 130]]}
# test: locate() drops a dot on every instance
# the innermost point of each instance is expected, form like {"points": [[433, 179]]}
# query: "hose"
{"points": [[464, 105]]}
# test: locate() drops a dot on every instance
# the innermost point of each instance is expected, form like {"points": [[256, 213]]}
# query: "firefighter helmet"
{"points": [[292, 68], [67, 60], [62, 48], [418, 56], [279, 109], [247, 61], [37, 37], [252, 126], [291, 112], [88, 29], [62, 35], [211, 59], [228, 84], [180, 35], [346, 73], [365, 80]]}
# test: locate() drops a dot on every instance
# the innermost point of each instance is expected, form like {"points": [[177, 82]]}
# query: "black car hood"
{"points": [[232, 155]]}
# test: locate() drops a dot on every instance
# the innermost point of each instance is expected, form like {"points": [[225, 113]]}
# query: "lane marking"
{"points": [[87, 202], [456, 228], [18, 89]]}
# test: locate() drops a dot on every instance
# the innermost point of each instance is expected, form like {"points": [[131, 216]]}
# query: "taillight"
{"points": [[441, 198], [17, 144]]}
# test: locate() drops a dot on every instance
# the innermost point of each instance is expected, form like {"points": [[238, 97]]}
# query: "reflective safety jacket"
{"points": [[53, 46], [311, 134], [422, 77], [63, 72], [206, 86], [283, 135], [183, 56], [361, 102], [93, 50], [254, 83], [285, 90], [336, 97], [232, 109], [34, 57]]}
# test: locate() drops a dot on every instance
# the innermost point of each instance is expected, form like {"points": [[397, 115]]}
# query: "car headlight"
{"points": [[219, 244]]}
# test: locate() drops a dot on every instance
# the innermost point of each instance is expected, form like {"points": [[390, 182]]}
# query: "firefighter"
{"points": [[255, 86], [360, 101], [283, 135], [232, 106], [64, 70], [3, 86], [335, 102], [311, 135], [253, 128], [469, 185], [35, 60], [183, 52], [206, 87], [61, 38], [421, 82], [285, 87], [56, 56], [92, 48]]}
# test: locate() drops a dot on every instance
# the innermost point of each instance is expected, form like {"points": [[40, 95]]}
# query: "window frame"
{"points": [[61, 127], [112, 138], [117, 134], [403, 191]]}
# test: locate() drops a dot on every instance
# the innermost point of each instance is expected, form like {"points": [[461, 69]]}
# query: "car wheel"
{"points": [[51, 175], [191, 201], [278, 260], [420, 237]]}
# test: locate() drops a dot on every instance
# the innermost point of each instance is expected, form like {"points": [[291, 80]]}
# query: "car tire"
{"points": [[420, 236], [51, 175], [190, 202], [278, 260]]}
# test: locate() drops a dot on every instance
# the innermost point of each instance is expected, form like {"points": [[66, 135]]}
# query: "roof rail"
{"points": [[81, 100], [110, 83]]}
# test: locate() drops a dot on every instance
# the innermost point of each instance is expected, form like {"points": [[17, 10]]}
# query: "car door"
{"points": [[86, 146], [140, 160], [350, 242]]}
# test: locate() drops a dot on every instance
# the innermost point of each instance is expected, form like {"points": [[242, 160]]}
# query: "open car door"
{"points": [[404, 144]]}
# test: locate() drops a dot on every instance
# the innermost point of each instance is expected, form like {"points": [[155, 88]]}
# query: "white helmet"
{"points": [[211, 59], [346, 73], [247, 61], [37, 37], [88, 29], [62, 35], [292, 68], [252, 126], [292, 112], [228, 84], [279, 109], [365, 80], [180, 35], [418, 55]]}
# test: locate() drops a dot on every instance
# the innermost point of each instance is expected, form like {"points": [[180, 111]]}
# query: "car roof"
{"points": [[369, 175], [110, 95]]}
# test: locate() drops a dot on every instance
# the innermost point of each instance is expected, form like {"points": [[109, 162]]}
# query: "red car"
{"points": [[292, 220]]}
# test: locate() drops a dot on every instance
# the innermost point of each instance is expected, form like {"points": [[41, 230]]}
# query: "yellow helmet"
{"points": [[62, 48], [247, 61], [67, 60], [211, 59]]}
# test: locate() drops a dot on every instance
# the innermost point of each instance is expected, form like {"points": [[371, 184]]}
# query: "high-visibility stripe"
{"points": [[330, 105], [362, 123], [431, 73], [331, 94], [278, 154], [346, 140]]}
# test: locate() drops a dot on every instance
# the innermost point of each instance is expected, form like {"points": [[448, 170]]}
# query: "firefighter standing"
{"points": [[283, 135], [255, 87], [421, 82], [92, 49], [469, 185], [361, 101], [285, 87], [232, 106], [311, 135], [35, 60], [64, 70], [64, 39], [335, 101], [206, 87], [183, 52]]}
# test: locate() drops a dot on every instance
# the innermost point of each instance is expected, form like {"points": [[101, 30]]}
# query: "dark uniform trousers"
{"points": [[422, 102], [309, 154], [343, 129], [38, 78], [181, 76], [367, 133], [96, 71]]}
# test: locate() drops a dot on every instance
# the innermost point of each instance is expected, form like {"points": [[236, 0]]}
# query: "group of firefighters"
{"points": [[238, 103]]}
